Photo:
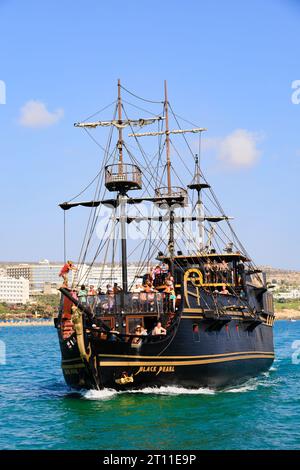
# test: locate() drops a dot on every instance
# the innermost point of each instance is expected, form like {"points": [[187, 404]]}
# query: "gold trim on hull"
{"points": [[189, 357], [183, 363]]}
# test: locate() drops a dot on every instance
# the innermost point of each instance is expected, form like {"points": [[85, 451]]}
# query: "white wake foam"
{"points": [[105, 394], [243, 388], [174, 390], [265, 380], [108, 393]]}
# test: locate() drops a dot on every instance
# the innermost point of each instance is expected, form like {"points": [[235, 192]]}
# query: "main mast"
{"points": [[166, 109], [122, 197], [171, 242], [120, 141]]}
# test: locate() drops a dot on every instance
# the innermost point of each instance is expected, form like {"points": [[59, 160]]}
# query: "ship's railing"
{"points": [[179, 195], [225, 301], [131, 303], [175, 191], [123, 172]]}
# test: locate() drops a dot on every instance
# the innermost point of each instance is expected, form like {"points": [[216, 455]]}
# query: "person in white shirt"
{"points": [[159, 330]]}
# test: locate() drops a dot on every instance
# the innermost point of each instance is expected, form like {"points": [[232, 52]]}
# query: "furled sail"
{"points": [[119, 124]]}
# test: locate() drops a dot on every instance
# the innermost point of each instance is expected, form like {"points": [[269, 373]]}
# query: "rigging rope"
{"points": [[139, 97]]}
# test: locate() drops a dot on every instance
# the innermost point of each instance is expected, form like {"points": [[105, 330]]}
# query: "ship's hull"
{"points": [[217, 357]]}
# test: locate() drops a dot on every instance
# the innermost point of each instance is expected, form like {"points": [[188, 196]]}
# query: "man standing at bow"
{"points": [[69, 266]]}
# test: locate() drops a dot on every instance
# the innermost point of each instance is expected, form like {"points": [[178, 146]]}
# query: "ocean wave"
{"points": [[243, 388]]}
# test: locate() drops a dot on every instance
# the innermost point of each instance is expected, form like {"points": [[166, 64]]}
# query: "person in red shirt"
{"points": [[65, 271]]}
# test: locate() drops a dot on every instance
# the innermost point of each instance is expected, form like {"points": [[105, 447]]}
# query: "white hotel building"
{"points": [[43, 277], [14, 291]]}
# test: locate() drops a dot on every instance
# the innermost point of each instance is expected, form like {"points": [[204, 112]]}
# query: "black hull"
{"points": [[220, 356]]}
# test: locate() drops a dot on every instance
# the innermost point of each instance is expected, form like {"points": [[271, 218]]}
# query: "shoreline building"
{"points": [[108, 274], [44, 277], [14, 291], [40, 275]]}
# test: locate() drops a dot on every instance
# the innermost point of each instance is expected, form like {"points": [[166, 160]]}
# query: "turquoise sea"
{"points": [[37, 411]]}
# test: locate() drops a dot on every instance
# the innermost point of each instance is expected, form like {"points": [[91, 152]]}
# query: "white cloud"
{"points": [[35, 114], [239, 149], [236, 150]]}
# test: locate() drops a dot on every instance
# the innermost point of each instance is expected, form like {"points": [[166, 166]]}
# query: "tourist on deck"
{"points": [[172, 300], [148, 297], [152, 272], [178, 301], [147, 277], [240, 272], [136, 291], [243, 294], [208, 271], [144, 332], [223, 271], [159, 330], [169, 288], [169, 277], [110, 297], [117, 289], [214, 271], [82, 294], [224, 290], [137, 332], [91, 296], [99, 301], [157, 281], [164, 269], [113, 335], [69, 266]]}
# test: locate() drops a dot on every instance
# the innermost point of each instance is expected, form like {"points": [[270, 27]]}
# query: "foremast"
{"points": [[121, 177]]}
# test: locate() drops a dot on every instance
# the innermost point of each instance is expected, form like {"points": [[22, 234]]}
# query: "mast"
{"points": [[120, 177], [122, 199], [120, 141], [200, 205], [123, 218], [166, 106], [168, 160], [170, 191]]}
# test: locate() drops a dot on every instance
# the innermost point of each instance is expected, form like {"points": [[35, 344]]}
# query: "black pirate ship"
{"points": [[197, 312]]}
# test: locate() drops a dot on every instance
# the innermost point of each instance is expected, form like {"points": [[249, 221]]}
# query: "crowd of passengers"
{"points": [[139, 331], [144, 296], [222, 272], [158, 286]]}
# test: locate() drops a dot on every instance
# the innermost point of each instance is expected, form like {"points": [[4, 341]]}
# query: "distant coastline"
{"points": [[287, 314], [282, 314], [21, 322]]}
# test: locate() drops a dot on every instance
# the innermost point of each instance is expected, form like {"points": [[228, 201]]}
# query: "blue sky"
{"points": [[229, 65]]}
